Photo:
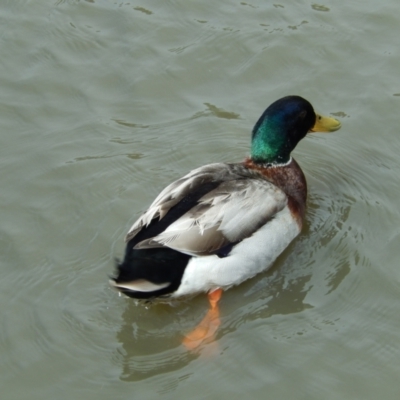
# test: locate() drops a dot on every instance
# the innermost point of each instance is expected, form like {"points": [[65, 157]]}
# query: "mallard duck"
{"points": [[223, 223]]}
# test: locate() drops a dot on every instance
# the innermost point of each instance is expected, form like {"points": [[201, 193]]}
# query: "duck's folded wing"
{"points": [[180, 190], [233, 205]]}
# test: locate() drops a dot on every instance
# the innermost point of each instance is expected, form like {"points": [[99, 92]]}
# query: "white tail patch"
{"points": [[140, 285]]}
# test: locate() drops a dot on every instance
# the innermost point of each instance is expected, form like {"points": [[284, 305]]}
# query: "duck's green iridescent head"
{"points": [[282, 125]]}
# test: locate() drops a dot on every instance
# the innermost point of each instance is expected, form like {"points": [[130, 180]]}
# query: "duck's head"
{"points": [[282, 125]]}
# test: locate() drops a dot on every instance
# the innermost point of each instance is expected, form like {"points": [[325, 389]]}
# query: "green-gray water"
{"points": [[103, 103]]}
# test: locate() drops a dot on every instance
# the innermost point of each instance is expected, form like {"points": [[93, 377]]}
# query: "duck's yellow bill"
{"points": [[325, 124]]}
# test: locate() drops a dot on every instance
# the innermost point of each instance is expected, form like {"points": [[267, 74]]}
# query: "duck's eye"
{"points": [[302, 115], [319, 117]]}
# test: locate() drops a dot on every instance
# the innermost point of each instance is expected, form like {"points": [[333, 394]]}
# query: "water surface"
{"points": [[103, 103]]}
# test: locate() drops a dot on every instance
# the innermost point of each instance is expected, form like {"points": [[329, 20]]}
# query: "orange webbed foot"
{"points": [[206, 329]]}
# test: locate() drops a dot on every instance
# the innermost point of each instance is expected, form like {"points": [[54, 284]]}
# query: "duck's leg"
{"points": [[206, 329]]}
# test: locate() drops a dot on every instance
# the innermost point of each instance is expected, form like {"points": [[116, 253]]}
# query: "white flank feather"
{"points": [[251, 256]]}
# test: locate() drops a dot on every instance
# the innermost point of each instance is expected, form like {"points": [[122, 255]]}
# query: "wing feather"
{"points": [[173, 194], [240, 203]]}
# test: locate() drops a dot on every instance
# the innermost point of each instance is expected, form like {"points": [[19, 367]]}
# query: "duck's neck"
{"points": [[268, 145], [275, 164]]}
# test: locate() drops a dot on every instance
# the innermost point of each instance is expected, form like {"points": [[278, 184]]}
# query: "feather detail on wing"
{"points": [[172, 195], [238, 204]]}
